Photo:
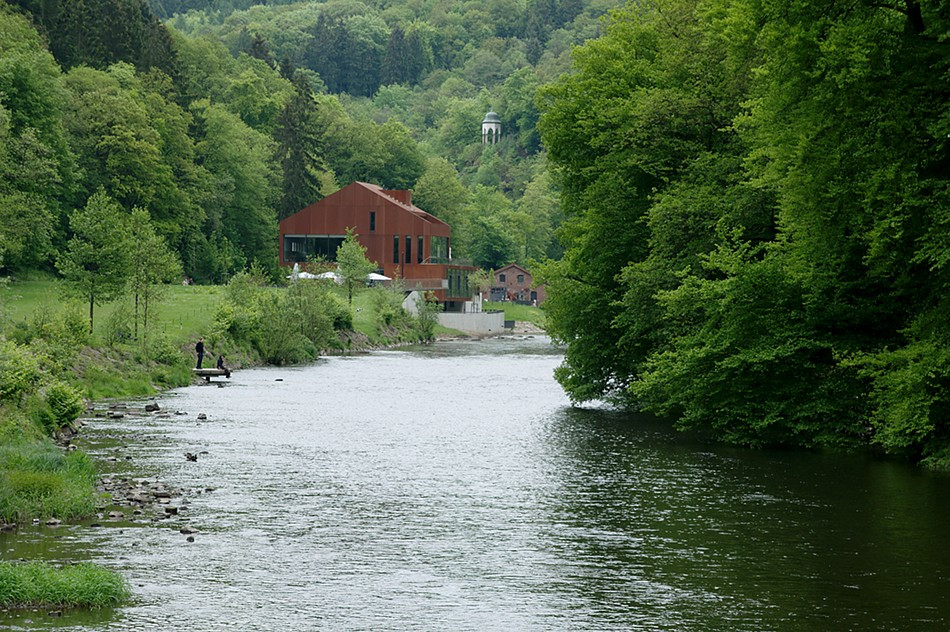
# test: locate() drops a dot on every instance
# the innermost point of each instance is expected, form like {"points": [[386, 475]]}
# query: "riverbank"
{"points": [[52, 361]]}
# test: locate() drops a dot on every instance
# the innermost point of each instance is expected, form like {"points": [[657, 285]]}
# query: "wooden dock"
{"points": [[207, 374]]}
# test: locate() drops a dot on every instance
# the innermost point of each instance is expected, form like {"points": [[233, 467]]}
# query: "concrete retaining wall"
{"points": [[478, 323]]}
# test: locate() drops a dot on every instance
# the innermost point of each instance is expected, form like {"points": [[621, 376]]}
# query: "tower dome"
{"points": [[491, 128]]}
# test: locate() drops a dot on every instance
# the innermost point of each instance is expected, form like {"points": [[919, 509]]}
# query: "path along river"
{"points": [[454, 488]]}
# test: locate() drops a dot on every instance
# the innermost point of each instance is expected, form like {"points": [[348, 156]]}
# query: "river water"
{"points": [[453, 487]]}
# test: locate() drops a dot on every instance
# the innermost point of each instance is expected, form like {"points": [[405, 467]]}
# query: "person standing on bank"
{"points": [[200, 350]]}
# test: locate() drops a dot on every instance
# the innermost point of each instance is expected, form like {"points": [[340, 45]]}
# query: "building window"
{"points": [[408, 248], [520, 278], [306, 247], [372, 221], [419, 253], [502, 278], [438, 250], [396, 249]]}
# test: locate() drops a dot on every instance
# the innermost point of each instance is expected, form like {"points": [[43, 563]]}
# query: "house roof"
{"points": [[412, 208], [511, 266]]}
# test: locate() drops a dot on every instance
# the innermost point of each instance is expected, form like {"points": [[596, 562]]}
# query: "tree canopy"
{"points": [[752, 193]]}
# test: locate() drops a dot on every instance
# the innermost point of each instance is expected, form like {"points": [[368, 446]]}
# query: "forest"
{"points": [[757, 204], [229, 117]]}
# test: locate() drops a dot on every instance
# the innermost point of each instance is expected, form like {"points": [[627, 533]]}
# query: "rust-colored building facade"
{"points": [[402, 239], [514, 283]]}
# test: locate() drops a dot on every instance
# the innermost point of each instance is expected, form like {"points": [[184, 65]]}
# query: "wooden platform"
{"points": [[207, 374]]}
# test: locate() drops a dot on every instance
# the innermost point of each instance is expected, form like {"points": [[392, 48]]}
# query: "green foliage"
{"points": [[118, 326], [280, 326], [38, 481], [299, 150], [42, 585], [428, 317], [752, 192], [387, 305], [96, 260], [352, 264], [19, 371], [65, 403]]}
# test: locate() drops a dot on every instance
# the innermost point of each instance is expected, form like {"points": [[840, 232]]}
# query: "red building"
{"points": [[514, 283], [402, 239]]}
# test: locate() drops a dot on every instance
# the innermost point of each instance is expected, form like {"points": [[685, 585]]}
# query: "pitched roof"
{"points": [[412, 208], [509, 266]]}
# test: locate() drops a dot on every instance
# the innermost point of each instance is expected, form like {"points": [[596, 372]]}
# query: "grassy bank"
{"points": [[50, 362], [37, 479], [42, 585], [517, 312]]}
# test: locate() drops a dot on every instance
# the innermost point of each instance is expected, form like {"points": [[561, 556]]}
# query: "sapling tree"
{"points": [[96, 260], [353, 266], [152, 264]]}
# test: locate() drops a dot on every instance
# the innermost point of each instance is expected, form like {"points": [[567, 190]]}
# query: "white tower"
{"points": [[491, 129]]}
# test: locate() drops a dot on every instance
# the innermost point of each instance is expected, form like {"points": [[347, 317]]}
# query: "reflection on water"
{"points": [[453, 487]]}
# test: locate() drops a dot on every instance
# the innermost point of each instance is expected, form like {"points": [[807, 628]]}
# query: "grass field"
{"points": [[183, 312], [520, 313]]}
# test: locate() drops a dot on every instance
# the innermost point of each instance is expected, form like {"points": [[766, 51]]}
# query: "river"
{"points": [[453, 487]]}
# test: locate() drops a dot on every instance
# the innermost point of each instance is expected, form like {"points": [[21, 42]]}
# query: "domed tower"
{"points": [[491, 129]]}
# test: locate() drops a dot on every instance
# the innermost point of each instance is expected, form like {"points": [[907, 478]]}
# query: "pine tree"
{"points": [[394, 63], [299, 149], [260, 50]]}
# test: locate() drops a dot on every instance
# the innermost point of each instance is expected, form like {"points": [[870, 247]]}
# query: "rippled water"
{"points": [[454, 488]]}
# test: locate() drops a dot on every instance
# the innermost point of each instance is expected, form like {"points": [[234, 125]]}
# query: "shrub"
{"points": [[118, 327], [160, 349], [65, 403], [19, 370], [387, 304]]}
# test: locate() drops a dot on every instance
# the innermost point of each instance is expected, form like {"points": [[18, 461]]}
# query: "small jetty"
{"points": [[207, 374]]}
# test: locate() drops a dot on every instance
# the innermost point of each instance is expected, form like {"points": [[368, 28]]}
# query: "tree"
{"points": [[428, 316], [353, 266], [439, 191], [299, 150], [96, 260], [151, 265], [481, 280]]}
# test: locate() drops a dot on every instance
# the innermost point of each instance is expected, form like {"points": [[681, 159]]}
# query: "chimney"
{"points": [[404, 196]]}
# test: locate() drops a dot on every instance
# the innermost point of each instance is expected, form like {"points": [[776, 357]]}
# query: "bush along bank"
{"points": [[257, 323], [47, 366]]}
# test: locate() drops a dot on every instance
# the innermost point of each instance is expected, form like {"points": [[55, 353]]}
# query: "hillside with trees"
{"points": [[230, 116]]}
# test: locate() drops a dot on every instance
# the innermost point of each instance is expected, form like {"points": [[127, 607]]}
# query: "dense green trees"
{"points": [[753, 191]]}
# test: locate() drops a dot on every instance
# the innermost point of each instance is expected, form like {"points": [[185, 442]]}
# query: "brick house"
{"points": [[402, 239], [514, 283]]}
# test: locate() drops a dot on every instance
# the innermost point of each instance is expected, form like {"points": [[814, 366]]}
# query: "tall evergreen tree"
{"points": [[299, 150], [260, 50], [394, 63]]}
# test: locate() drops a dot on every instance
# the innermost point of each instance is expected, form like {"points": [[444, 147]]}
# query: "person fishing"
{"points": [[221, 366], [200, 350]]}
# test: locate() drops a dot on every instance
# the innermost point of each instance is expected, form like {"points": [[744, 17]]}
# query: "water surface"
{"points": [[453, 487]]}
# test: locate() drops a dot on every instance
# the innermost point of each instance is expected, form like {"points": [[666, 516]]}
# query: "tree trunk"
{"points": [[914, 15], [136, 335], [92, 300]]}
